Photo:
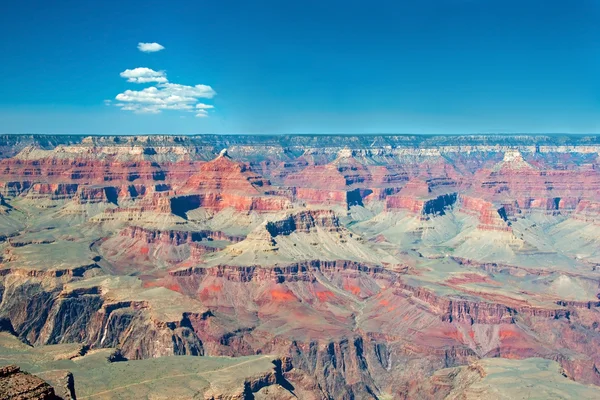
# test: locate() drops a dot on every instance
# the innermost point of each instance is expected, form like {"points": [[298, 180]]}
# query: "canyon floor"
{"points": [[308, 267]]}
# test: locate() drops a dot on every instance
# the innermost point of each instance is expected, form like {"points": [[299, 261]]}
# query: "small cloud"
{"points": [[150, 47], [107, 102], [144, 75], [202, 114], [202, 106]]}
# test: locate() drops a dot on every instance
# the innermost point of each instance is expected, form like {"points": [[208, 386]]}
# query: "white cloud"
{"points": [[144, 75], [166, 96], [107, 102], [150, 47], [202, 114], [200, 91]]}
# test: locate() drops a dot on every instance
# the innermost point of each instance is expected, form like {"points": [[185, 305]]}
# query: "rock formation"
{"points": [[18, 385], [299, 266]]}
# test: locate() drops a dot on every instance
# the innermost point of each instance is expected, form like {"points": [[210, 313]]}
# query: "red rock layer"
{"points": [[223, 183], [588, 211], [433, 206], [224, 174], [490, 217], [534, 189], [87, 171], [176, 238], [304, 221]]}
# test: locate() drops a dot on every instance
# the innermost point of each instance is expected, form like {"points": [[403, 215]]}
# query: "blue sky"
{"points": [[428, 66]]}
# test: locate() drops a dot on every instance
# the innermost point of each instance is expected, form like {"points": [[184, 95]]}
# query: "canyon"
{"points": [[299, 266]]}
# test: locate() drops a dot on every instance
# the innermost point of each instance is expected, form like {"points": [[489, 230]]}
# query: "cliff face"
{"points": [[85, 316], [362, 264], [588, 211], [338, 352], [490, 217], [223, 183], [431, 206], [303, 222]]}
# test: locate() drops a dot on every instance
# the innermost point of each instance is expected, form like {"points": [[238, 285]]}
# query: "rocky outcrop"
{"points": [[256, 384], [176, 238], [219, 201], [476, 311], [18, 385], [57, 191], [304, 221], [587, 211], [223, 183], [11, 188], [426, 207], [90, 195], [224, 174], [42, 317], [490, 217], [532, 187], [322, 196], [52, 167], [303, 271], [340, 367]]}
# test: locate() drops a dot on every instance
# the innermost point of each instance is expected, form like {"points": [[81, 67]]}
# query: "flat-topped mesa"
{"points": [[175, 237], [304, 221], [371, 176], [204, 146]]}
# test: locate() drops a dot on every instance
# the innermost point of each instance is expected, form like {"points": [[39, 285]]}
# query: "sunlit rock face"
{"points": [[325, 266]]}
